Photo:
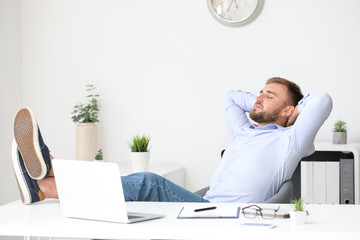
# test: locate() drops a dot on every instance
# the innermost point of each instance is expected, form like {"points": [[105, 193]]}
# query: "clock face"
{"points": [[232, 11]]}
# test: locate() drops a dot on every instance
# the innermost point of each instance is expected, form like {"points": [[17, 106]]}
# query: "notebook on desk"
{"points": [[93, 190]]}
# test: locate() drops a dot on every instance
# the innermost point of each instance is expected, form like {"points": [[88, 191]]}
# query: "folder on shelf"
{"points": [[223, 211], [347, 181]]}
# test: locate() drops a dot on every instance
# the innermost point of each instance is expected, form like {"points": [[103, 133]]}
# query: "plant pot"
{"points": [[140, 161], [339, 137], [298, 217], [86, 141]]}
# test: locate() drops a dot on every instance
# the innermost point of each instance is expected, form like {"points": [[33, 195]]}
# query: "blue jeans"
{"points": [[151, 187]]}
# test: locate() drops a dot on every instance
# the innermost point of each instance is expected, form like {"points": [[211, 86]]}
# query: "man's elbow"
{"points": [[327, 102]]}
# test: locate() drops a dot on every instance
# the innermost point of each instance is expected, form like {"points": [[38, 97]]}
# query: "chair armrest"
{"points": [[202, 191], [284, 195]]}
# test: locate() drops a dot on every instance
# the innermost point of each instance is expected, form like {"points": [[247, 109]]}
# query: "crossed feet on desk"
{"points": [[31, 160]]}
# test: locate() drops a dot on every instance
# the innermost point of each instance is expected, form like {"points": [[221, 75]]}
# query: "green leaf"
{"points": [[298, 204], [139, 143], [99, 155], [87, 112], [340, 126]]}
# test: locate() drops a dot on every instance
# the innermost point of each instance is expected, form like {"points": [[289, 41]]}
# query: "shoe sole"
{"points": [[20, 180], [27, 140]]}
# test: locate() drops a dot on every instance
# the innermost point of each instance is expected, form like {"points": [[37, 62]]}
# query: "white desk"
{"points": [[45, 219]]}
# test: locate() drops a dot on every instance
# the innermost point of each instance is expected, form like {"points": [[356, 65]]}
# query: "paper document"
{"points": [[223, 211]]}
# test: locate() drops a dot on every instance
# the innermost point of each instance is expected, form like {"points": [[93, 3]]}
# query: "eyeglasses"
{"points": [[253, 210]]}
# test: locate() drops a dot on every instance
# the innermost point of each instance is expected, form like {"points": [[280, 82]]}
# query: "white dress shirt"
{"points": [[258, 160]]}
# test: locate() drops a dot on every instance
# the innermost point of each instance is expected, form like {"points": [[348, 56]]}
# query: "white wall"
{"points": [[162, 68], [10, 92]]}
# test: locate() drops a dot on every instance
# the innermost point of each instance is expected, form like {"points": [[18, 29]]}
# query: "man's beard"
{"points": [[264, 117]]}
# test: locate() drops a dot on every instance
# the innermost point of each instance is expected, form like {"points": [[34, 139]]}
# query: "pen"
{"points": [[204, 209]]}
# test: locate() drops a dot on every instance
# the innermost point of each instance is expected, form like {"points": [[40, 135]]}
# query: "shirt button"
{"points": [[227, 166]]}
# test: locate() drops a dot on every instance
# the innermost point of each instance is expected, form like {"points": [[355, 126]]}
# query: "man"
{"points": [[258, 159]]}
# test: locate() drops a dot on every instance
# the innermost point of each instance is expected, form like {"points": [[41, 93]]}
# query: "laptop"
{"points": [[93, 190]]}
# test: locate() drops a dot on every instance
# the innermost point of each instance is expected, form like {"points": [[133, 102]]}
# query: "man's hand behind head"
{"points": [[291, 120]]}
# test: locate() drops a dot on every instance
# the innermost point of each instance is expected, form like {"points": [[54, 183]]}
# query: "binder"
{"points": [[332, 182], [347, 181], [319, 182], [307, 182]]}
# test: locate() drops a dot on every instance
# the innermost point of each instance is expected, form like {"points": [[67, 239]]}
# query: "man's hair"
{"points": [[294, 89]]}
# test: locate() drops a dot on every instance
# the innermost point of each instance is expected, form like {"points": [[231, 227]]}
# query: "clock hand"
{"points": [[227, 11], [236, 5]]}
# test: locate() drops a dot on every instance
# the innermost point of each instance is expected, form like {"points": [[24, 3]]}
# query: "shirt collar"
{"points": [[266, 127]]}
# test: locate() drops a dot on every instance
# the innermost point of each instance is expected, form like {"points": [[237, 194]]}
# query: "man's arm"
{"points": [[312, 112], [237, 103]]}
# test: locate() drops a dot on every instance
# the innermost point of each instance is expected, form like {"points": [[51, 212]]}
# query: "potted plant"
{"points": [[99, 155], [298, 215], [140, 154], [340, 133], [85, 115]]}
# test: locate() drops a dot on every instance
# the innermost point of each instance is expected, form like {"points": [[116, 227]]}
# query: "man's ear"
{"points": [[288, 111]]}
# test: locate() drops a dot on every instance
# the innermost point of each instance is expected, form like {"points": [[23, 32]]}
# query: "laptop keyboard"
{"points": [[134, 217]]}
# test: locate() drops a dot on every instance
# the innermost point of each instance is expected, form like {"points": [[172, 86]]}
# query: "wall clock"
{"points": [[233, 12]]}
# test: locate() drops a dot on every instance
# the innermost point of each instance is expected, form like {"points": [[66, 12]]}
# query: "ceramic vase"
{"points": [[298, 217], [140, 161], [339, 137], [86, 141]]}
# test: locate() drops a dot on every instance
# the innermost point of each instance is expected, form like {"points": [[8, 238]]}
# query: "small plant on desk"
{"points": [[298, 204], [298, 215]]}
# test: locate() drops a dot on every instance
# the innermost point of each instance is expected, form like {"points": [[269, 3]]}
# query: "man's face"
{"points": [[269, 104]]}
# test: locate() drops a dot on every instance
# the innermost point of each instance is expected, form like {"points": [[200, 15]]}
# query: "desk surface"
{"points": [[45, 219]]}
